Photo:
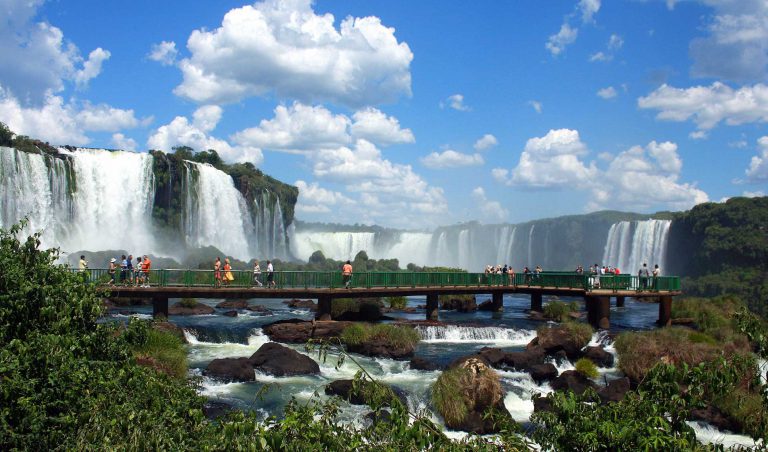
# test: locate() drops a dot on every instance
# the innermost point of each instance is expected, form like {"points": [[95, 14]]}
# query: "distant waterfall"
{"points": [[270, 231], [631, 244], [215, 213], [34, 186], [334, 245]]}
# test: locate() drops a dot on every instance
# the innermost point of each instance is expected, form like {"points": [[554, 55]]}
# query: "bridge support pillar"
{"points": [[497, 300], [536, 303], [619, 302], [432, 306], [665, 311], [323, 308], [599, 311], [159, 307]]}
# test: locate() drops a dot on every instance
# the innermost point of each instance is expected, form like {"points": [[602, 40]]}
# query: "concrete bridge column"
{"points": [[432, 306], [160, 307], [665, 311], [536, 303], [599, 311], [323, 308], [619, 302], [497, 300]]}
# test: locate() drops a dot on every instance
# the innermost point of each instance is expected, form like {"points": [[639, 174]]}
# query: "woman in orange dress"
{"points": [[228, 277]]}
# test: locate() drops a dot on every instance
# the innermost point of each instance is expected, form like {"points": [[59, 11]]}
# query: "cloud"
{"points": [[550, 161], [181, 132], [375, 126], [303, 128], [758, 165], [588, 9], [556, 43], [387, 192], [120, 141], [698, 135], [451, 159], [487, 141], [709, 105], [287, 49], [607, 93], [59, 122], [615, 42], [455, 101], [753, 194], [537, 106], [37, 59], [600, 56], [640, 177], [490, 210], [736, 45], [165, 53], [315, 199]]}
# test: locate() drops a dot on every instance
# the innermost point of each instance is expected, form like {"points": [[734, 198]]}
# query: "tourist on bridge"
{"points": [[123, 269], [139, 274], [644, 274], [257, 274], [146, 266], [511, 275], [217, 272], [346, 272], [270, 275], [129, 269], [111, 271], [527, 275], [656, 274], [228, 277], [83, 264]]}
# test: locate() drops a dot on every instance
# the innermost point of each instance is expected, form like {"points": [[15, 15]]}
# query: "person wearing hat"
{"points": [[111, 271]]}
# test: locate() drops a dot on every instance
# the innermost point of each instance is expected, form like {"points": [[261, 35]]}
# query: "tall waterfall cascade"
{"points": [[631, 244], [95, 199]]}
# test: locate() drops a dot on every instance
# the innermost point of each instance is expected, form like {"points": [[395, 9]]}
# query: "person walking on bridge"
{"points": [[346, 272], [217, 272], [257, 274], [146, 266], [270, 275]]}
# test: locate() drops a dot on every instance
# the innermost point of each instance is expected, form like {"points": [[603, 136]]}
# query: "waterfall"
{"points": [[529, 264], [215, 213], [465, 249], [269, 230], [334, 245], [465, 334], [410, 247], [630, 244], [35, 186], [112, 201]]}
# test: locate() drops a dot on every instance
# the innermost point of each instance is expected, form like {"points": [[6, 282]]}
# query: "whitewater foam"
{"points": [[468, 334]]}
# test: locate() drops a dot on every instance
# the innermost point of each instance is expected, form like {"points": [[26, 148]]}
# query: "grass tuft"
{"points": [[395, 335], [586, 367]]}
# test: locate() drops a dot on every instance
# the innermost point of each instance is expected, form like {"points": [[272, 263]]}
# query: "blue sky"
{"points": [[413, 114]]}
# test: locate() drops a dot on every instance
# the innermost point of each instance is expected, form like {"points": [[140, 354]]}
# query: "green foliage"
{"points": [[397, 302], [160, 350], [188, 302], [6, 136], [577, 332], [559, 310], [395, 335], [447, 395], [586, 367]]}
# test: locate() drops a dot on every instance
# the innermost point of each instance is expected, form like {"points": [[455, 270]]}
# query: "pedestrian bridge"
{"points": [[325, 286]]}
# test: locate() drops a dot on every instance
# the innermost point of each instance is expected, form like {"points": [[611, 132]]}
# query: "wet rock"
{"points": [[231, 314], [542, 372], [713, 415], [196, 309], [599, 356], [357, 396], [379, 416], [257, 308], [570, 380], [541, 403], [233, 304], [536, 316], [230, 369], [278, 360], [418, 363], [525, 359], [214, 409], [169, 327], [555, 339], [464, 304], [383, 349], [300, 331], [487, 305], [494, 356], [615, 390], [301, 304]]}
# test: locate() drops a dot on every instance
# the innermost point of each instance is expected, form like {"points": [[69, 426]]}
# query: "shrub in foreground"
{"points": [[586, 367], [395, 335], [559, 310]]}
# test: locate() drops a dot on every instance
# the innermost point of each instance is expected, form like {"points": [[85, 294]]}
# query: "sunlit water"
{"points": [[217, 336]]}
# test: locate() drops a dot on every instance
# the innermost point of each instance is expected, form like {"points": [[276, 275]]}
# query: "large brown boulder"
{"points": [[542, 372], [522, 360], [230, 369], [461, 304], [183, 309], [346, 390], [418, 363], [281, 361], [599, 356], [615, 390], [556, 339], [233, 304], [714, 416], [301, 304], [300, 331], [570, 380]]}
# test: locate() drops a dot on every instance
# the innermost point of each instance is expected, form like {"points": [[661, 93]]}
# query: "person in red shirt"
{"points": [[146, 265], [346, 272]]}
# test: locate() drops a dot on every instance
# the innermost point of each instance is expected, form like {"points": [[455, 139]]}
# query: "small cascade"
{"points": [[215, 213], [466, 334], [631, 244]]}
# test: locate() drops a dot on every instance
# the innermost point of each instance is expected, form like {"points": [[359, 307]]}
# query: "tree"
{"points": [[6, 135]]}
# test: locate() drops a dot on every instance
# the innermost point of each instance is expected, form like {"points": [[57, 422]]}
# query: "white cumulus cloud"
{"points": [[456, 102], [92, 66], [607, 93], [489, 210], [536, 105], [487, 141], [315, 199], [451, 159], [709, 105], [164, 53], [284, 47], [758, 165], [120, 141], [556, 43], [373, 125]]}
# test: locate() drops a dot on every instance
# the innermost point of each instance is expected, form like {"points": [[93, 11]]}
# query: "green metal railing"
{"points": [[335, 280]]}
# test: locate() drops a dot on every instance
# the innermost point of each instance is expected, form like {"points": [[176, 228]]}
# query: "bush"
{"points": [[586, 367], [161, 350], [578, 332], [460, 390], [188, 302], [397, 302], [558, 310], [396, 335]]}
